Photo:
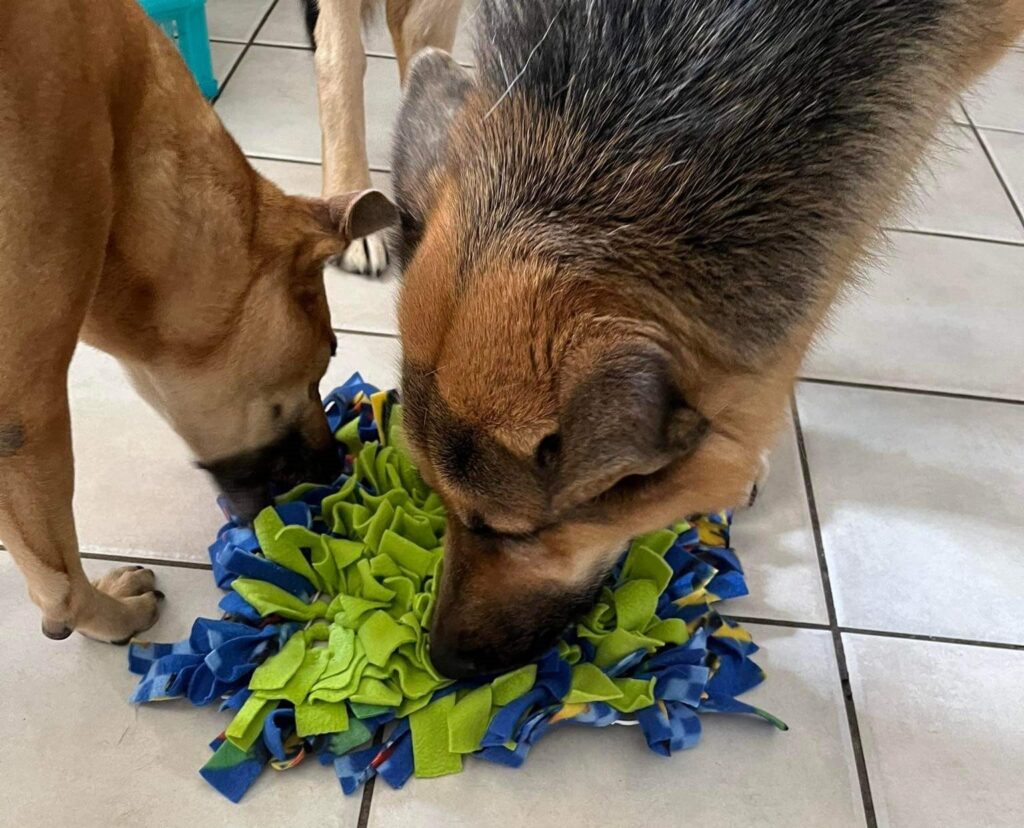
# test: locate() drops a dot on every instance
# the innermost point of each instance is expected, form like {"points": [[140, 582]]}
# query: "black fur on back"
{"points": [[717, 149]]}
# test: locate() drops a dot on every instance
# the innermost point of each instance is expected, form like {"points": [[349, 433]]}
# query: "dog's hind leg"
{"points": [[340, 67], [418, 24], [51, 252]]}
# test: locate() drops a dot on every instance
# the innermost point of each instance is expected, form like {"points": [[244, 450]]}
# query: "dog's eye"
{"points": [[547, 450], [276, 411], [478, 526]]}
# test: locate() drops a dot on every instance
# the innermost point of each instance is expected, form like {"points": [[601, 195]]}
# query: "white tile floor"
{"points": [[901, 479]]}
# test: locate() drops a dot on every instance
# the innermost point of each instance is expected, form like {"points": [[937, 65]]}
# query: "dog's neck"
{"points": [[185, 245]]}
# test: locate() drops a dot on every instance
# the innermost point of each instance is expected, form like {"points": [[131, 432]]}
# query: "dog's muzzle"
{"points": [[250, 480]]}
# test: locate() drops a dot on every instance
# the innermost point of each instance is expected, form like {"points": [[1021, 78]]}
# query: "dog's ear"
{"points": [[329, 225], [355, 215], [623, 419], [435, 89]]}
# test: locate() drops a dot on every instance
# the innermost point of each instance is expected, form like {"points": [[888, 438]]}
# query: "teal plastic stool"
{"points": [[185, 23]]}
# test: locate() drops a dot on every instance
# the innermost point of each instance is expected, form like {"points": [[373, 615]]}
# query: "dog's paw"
{"points": [[125, 602], [368, 255]]}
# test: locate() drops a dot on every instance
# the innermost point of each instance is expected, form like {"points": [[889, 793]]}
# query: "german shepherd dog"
{"points": [[130, 219], [618, 241], [334, 29]]}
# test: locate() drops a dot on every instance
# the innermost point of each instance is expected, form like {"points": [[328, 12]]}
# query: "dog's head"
{"points": [[556, 425], [557, 399], [239, 379]]}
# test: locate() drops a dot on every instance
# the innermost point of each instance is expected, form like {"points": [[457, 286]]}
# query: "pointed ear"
{"points": [[435, 89], [355, 215], [624, 418]]}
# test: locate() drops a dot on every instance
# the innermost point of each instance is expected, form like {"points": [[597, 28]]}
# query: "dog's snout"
{"points": [[246, 503], [250, 479], [493, 613], [488, 650], [451, 663], [320, 465]]}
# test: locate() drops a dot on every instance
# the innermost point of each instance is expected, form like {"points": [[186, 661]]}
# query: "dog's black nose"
{"points": [[250, 479], [452, 664], [247, 503], [322, 465]]}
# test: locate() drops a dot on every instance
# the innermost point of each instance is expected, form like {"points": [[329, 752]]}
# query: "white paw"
{"points": [[368, 255]]}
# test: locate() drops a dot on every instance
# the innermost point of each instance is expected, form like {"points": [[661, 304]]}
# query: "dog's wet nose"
{"points": [[250, 479], [246, 504], [325, 466], [452, 664]]}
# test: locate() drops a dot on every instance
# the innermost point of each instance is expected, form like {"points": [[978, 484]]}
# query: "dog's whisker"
{"points": [[522, 71]]}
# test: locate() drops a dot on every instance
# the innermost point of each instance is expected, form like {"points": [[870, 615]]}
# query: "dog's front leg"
{"points": [[420, 24], [37, 525], [340, 67]]}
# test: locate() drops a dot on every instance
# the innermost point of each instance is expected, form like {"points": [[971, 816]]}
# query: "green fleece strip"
{"points": [[313, 718], [431, 753], [275, 672], [279, 548], [469, 718], [248, 722], [271, 600], [589, 684]]}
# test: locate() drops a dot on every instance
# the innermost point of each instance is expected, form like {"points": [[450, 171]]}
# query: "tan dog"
{"points": [[130, 219], [619, 240], [335, 27]]}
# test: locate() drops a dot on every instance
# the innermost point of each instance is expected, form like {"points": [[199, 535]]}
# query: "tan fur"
{"points": [[131, 220], [340, 67]]}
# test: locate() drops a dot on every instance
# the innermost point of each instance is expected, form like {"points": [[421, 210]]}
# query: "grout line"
{"points": [[837, 637], [367, 796], [294, 159], [301, 47], [104, 556], [351, 331], [269, 156], [263, 21], [946, 234], [227, 75], [295, 47], [998, 171], [990, 128], [243, 53], [934, 639], [776, 622], [930, 639], [366, 802], [235, 41], [900, 389]]}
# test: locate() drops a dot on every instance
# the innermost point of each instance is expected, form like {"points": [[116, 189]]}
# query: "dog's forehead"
{"points": [[468, 413], [479, 469], [492, 358], [494, 386]]}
